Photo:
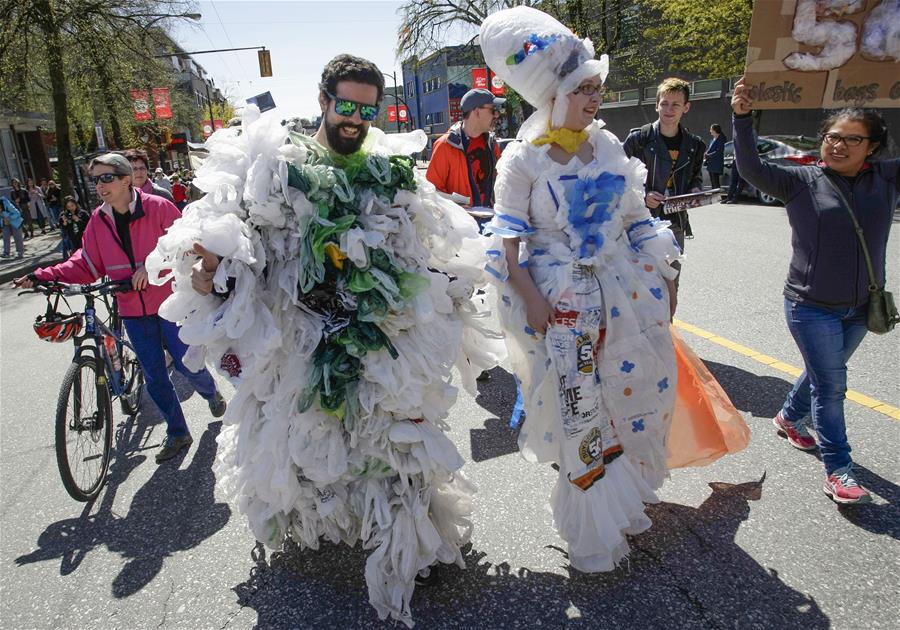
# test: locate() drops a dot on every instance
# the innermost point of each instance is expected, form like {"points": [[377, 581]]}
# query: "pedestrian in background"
{"points": [[72, 222], [53, 198], [21, 199], [122, 231], [37, 207], [179, 192], [463, 160], [140, 165], [161, 179], [714, 158], [827, 288], [12, 226]]}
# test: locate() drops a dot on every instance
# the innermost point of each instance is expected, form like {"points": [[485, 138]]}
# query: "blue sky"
{"points": [[302, 35]]}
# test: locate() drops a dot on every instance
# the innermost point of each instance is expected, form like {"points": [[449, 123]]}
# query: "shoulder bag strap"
{"points": [[873, 284]]}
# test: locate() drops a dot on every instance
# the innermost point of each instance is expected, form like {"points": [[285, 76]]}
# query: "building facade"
{"points": [[24, 151]]}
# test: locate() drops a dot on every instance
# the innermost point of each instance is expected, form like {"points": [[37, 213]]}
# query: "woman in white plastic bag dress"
{"points": [[585, 279], [347, 285]]}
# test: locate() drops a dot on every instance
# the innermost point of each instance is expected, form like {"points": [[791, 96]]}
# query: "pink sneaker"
{"points": [[797, 435], [842, 487]]}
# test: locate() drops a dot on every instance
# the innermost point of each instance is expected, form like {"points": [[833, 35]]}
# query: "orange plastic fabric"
{"points": [[705, 423]]}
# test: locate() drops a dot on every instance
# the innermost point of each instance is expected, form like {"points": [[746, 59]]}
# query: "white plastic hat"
{"points": [[540, 58]]}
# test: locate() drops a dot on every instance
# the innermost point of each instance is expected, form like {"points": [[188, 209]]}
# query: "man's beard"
{"points": [[339, 144]]}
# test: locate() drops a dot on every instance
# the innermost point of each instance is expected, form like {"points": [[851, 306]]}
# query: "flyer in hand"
{"points": [[677, 203]]}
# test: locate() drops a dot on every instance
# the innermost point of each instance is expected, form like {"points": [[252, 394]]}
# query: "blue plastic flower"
{"points": [[663, 385], [627, 366], [534, 44], [657, 293], [590, 204], [637, 425], [614, 311]]}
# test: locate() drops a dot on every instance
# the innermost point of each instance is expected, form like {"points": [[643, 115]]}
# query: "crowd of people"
{"points": [[339, 289]]}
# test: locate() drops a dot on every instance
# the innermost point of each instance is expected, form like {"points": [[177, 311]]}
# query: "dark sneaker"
{"points": [[843, 488], [483, 377], [217, 405], [796, 433], [171, 445]]}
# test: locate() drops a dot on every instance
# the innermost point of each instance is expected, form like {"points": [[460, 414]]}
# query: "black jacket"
{"points": [[827, 267], [647, 145]]}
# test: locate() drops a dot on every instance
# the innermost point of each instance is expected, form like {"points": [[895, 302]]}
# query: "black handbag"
{"points": [[882, 315]]}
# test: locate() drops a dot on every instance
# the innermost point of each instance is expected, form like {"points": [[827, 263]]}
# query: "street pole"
{"points": [[396, 99], [212, 119]]}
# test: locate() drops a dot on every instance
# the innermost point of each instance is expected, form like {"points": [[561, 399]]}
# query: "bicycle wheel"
{"points": [[133, 378], [83, 429]]}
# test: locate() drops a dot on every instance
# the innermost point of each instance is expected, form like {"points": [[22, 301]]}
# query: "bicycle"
{"points": [[104, 367]]}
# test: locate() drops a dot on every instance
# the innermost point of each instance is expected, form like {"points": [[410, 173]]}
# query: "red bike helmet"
{"points": [[57, 329]]}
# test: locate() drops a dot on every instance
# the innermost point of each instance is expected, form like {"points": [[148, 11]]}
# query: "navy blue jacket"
{"points": [[827, 267], [715, 155]]}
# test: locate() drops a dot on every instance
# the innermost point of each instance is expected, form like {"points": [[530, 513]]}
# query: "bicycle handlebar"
{"points": [[100, 288]]}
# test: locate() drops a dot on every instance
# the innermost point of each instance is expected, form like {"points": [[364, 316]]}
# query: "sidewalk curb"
{"points": [[41, 251]]}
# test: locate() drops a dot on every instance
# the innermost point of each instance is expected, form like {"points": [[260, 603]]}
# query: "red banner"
{"points": [[161, 103], [404, 114], [209, 128], [455, 111], [479, 78], [497, 86], [141, 105], [392, 113]]}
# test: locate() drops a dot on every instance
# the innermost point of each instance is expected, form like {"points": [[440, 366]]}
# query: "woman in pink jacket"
{"points": [[122, 231]]}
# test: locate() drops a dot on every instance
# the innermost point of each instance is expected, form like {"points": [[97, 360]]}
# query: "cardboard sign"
{"points": [[812, 54]]}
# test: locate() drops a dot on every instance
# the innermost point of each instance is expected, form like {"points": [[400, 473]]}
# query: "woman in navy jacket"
{"points": [[827, 288], [714, 158]]}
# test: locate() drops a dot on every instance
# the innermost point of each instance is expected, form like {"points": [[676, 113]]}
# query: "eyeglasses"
{"points": [[494, 111], [589, 89], [106, 178], [346, 107], [850, 141], [139, 167]]}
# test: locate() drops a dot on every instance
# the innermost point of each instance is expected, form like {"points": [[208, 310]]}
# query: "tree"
{"points": [[707, 38], [426, 24], [98, 49]]}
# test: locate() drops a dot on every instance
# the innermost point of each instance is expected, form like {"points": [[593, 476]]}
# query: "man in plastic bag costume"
{"points": [[346, 283]]}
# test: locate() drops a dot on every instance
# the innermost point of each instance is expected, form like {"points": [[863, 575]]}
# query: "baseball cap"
{"points": [[478, 98], [158, 170]]}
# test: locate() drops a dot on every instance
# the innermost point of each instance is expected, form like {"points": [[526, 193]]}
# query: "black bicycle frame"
{"points": [[96, 331]]}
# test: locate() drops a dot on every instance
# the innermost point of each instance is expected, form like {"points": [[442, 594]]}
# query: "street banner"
{"points": [[497, 86], [141, 105], [208, 127], [813, 54], [455, 110], [392, 113], [479, 78], [161, 103], [403, 113]]}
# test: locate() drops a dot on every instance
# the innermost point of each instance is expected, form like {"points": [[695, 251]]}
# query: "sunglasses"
{"points": [[345, 107], [106, 178]]}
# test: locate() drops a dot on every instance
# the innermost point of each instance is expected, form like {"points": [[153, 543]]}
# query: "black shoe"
{"points": [[484, 376], [427, 576], [171, 445], [729, 201], [217, 405]]}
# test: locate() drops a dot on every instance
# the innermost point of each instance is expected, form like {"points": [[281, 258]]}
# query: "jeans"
{"points": [[16, 233], [715, 180], [737, 184], [149, 335], [826, 339]]}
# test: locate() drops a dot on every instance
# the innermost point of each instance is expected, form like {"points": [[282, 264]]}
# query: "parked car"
{"points": [[783, 150]]}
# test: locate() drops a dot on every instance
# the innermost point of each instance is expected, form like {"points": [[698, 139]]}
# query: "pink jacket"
{"points": [[102, 253]]}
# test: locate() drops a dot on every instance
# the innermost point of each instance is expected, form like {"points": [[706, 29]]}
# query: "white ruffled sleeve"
{"points": [[512, 199]]}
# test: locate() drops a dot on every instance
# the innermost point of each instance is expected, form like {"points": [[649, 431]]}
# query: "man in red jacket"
{"points": [[122, 231], [463, 160]]}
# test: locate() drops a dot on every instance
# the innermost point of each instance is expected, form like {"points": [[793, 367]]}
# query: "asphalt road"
{"points": [[160, 549]]}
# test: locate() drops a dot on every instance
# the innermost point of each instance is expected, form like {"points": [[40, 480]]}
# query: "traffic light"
{"points": [[265, 63]]}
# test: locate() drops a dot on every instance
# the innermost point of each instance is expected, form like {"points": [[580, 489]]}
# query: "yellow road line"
{"points": [[857, 397]]}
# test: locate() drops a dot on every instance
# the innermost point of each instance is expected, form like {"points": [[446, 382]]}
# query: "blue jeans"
{"points": [[826, 339], [149, 335]]}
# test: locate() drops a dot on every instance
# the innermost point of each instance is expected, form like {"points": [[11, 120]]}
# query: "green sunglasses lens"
{"points": [[368, 112], [344, 108]]}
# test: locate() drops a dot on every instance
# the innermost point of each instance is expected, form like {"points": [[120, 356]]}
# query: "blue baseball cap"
{"points": [[478, 98]]}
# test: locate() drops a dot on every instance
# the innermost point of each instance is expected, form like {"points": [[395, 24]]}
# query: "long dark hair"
{"points": [[870, 118]]}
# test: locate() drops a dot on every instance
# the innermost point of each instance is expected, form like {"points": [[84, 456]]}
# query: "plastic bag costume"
{"points": [[350, 306], [598, 389]]}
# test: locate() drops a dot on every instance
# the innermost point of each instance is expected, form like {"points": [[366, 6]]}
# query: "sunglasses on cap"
{"points": [[106, 178], [346, 107]]}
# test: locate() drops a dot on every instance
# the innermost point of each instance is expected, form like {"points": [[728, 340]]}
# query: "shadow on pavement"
{"points": [[173, 511], [761, 396], [497, 396], [685, 572]]}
